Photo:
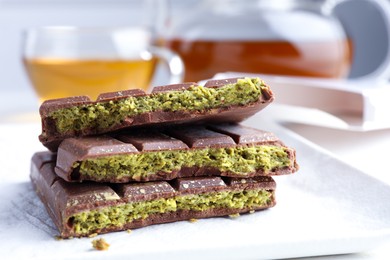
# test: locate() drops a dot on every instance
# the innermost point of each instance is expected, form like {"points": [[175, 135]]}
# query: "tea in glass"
{"points": [[69, 61], [54, 78], [205, 58]]}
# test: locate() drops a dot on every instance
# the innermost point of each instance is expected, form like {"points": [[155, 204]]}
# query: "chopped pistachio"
{"points": [[239, 160], [100, 244], [118, 215], [102, 115]]}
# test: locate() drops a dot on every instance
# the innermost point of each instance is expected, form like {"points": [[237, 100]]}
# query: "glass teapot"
{"points": [[284, 37]]}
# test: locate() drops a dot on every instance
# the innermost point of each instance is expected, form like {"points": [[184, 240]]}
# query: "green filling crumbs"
{"points": [[103, 115], [117, 216], [239, 160]]}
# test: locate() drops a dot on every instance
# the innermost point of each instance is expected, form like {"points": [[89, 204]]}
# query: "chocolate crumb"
{"points": [[100, 244], [58, 238], [234, 215]]}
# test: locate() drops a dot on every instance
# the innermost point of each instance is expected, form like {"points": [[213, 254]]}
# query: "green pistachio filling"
{"points": [[117, 216], [239, 160], [102, 115]]}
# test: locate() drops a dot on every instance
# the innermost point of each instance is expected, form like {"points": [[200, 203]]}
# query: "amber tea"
{"points": [[72, 61], [53, 78], [205, 58]]}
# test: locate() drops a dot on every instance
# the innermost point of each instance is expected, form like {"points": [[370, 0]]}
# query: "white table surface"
{"points": [[367, 151]]}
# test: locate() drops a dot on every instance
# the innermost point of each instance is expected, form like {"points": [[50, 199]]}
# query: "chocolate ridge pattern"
{"points": [[51, 137], [73, 151], [63, 200]]}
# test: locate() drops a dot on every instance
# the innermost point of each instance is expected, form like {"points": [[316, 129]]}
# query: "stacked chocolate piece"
{"points": [[131, 159]]}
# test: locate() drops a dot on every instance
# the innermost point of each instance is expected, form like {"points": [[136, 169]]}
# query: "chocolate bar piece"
{"points": [[221, 150], [229, 100], [83, 209]]}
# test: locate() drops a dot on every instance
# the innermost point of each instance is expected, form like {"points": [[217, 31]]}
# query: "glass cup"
{"points": [[70, 61]]}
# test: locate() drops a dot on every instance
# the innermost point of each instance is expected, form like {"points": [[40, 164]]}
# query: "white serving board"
{"points": [[326, 208]]}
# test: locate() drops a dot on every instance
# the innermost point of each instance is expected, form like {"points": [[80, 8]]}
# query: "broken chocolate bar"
{"points": [[229, 150], [229, 100], [84, 209]]}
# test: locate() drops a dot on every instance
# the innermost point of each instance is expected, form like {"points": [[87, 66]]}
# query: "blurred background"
{"points": [[357, 16]]}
